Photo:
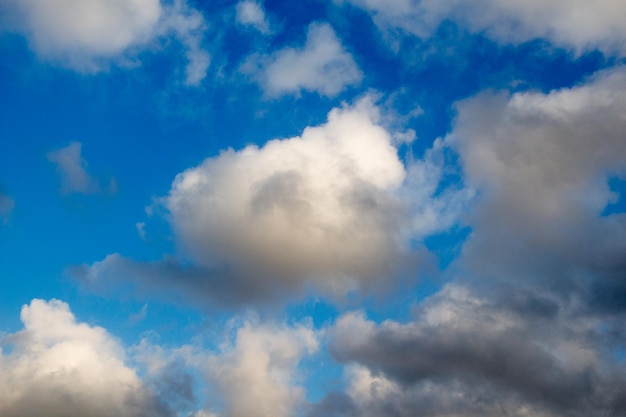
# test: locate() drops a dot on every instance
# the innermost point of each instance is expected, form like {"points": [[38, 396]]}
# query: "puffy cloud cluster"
{"points": [[57, 367], [256, 372], [321, 65], [579, 25], [89, 35]]}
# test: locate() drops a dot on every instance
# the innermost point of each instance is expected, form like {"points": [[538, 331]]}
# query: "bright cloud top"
{"points": [[580, 25], [58, 367], [89, 35], [318, 207], [322, 65]]}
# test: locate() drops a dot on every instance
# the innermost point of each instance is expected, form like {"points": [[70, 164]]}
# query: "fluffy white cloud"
{"points": [[318, 207], [578, 24], [256, 373], [72, 169], [322, 65], [58, 367], [251, 13], [333, 211], [88, 35]]}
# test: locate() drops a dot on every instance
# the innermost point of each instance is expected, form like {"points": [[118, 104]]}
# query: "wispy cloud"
{"points": [[72, 169], [579, 25], [251, 13], [321, 65], [90, 36]]}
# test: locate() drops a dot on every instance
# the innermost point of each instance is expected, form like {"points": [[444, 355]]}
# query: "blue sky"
{"points": [[355, 208]]}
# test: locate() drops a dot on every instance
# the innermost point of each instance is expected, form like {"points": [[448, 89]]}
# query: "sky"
{"points": [[343, 208]]}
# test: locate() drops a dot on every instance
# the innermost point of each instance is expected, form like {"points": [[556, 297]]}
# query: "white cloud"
{"points": [[322, 65], [319, 207], [251, 13], [73, 170], [58, 367], [579, 24], [89, 35], [256, 373], [334, 211]]}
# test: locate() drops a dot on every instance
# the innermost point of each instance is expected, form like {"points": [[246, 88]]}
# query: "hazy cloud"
{"points": [[331, 210], [579, 25], [256, 372], [89, 36], [541, 163], [465, 355], [322, 65], [251, 13], [73, 173], [6, 206]]}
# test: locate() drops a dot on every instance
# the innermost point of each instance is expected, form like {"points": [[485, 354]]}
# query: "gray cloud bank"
{"points": [[533, 323]]}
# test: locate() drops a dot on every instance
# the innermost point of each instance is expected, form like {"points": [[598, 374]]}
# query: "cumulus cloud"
{"points": [[59, 367], [541, 163], [333, 210], [256, 372], [465, 355], [578, 25], [322, 65], [251, 13], [88, 36], [72, 169]]}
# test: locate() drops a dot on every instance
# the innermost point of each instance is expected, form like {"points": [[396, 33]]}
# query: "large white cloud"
{"points": [[89, 35], [318, 207], [333, 211], [579, 24], [321, 65], [58, 367]]}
